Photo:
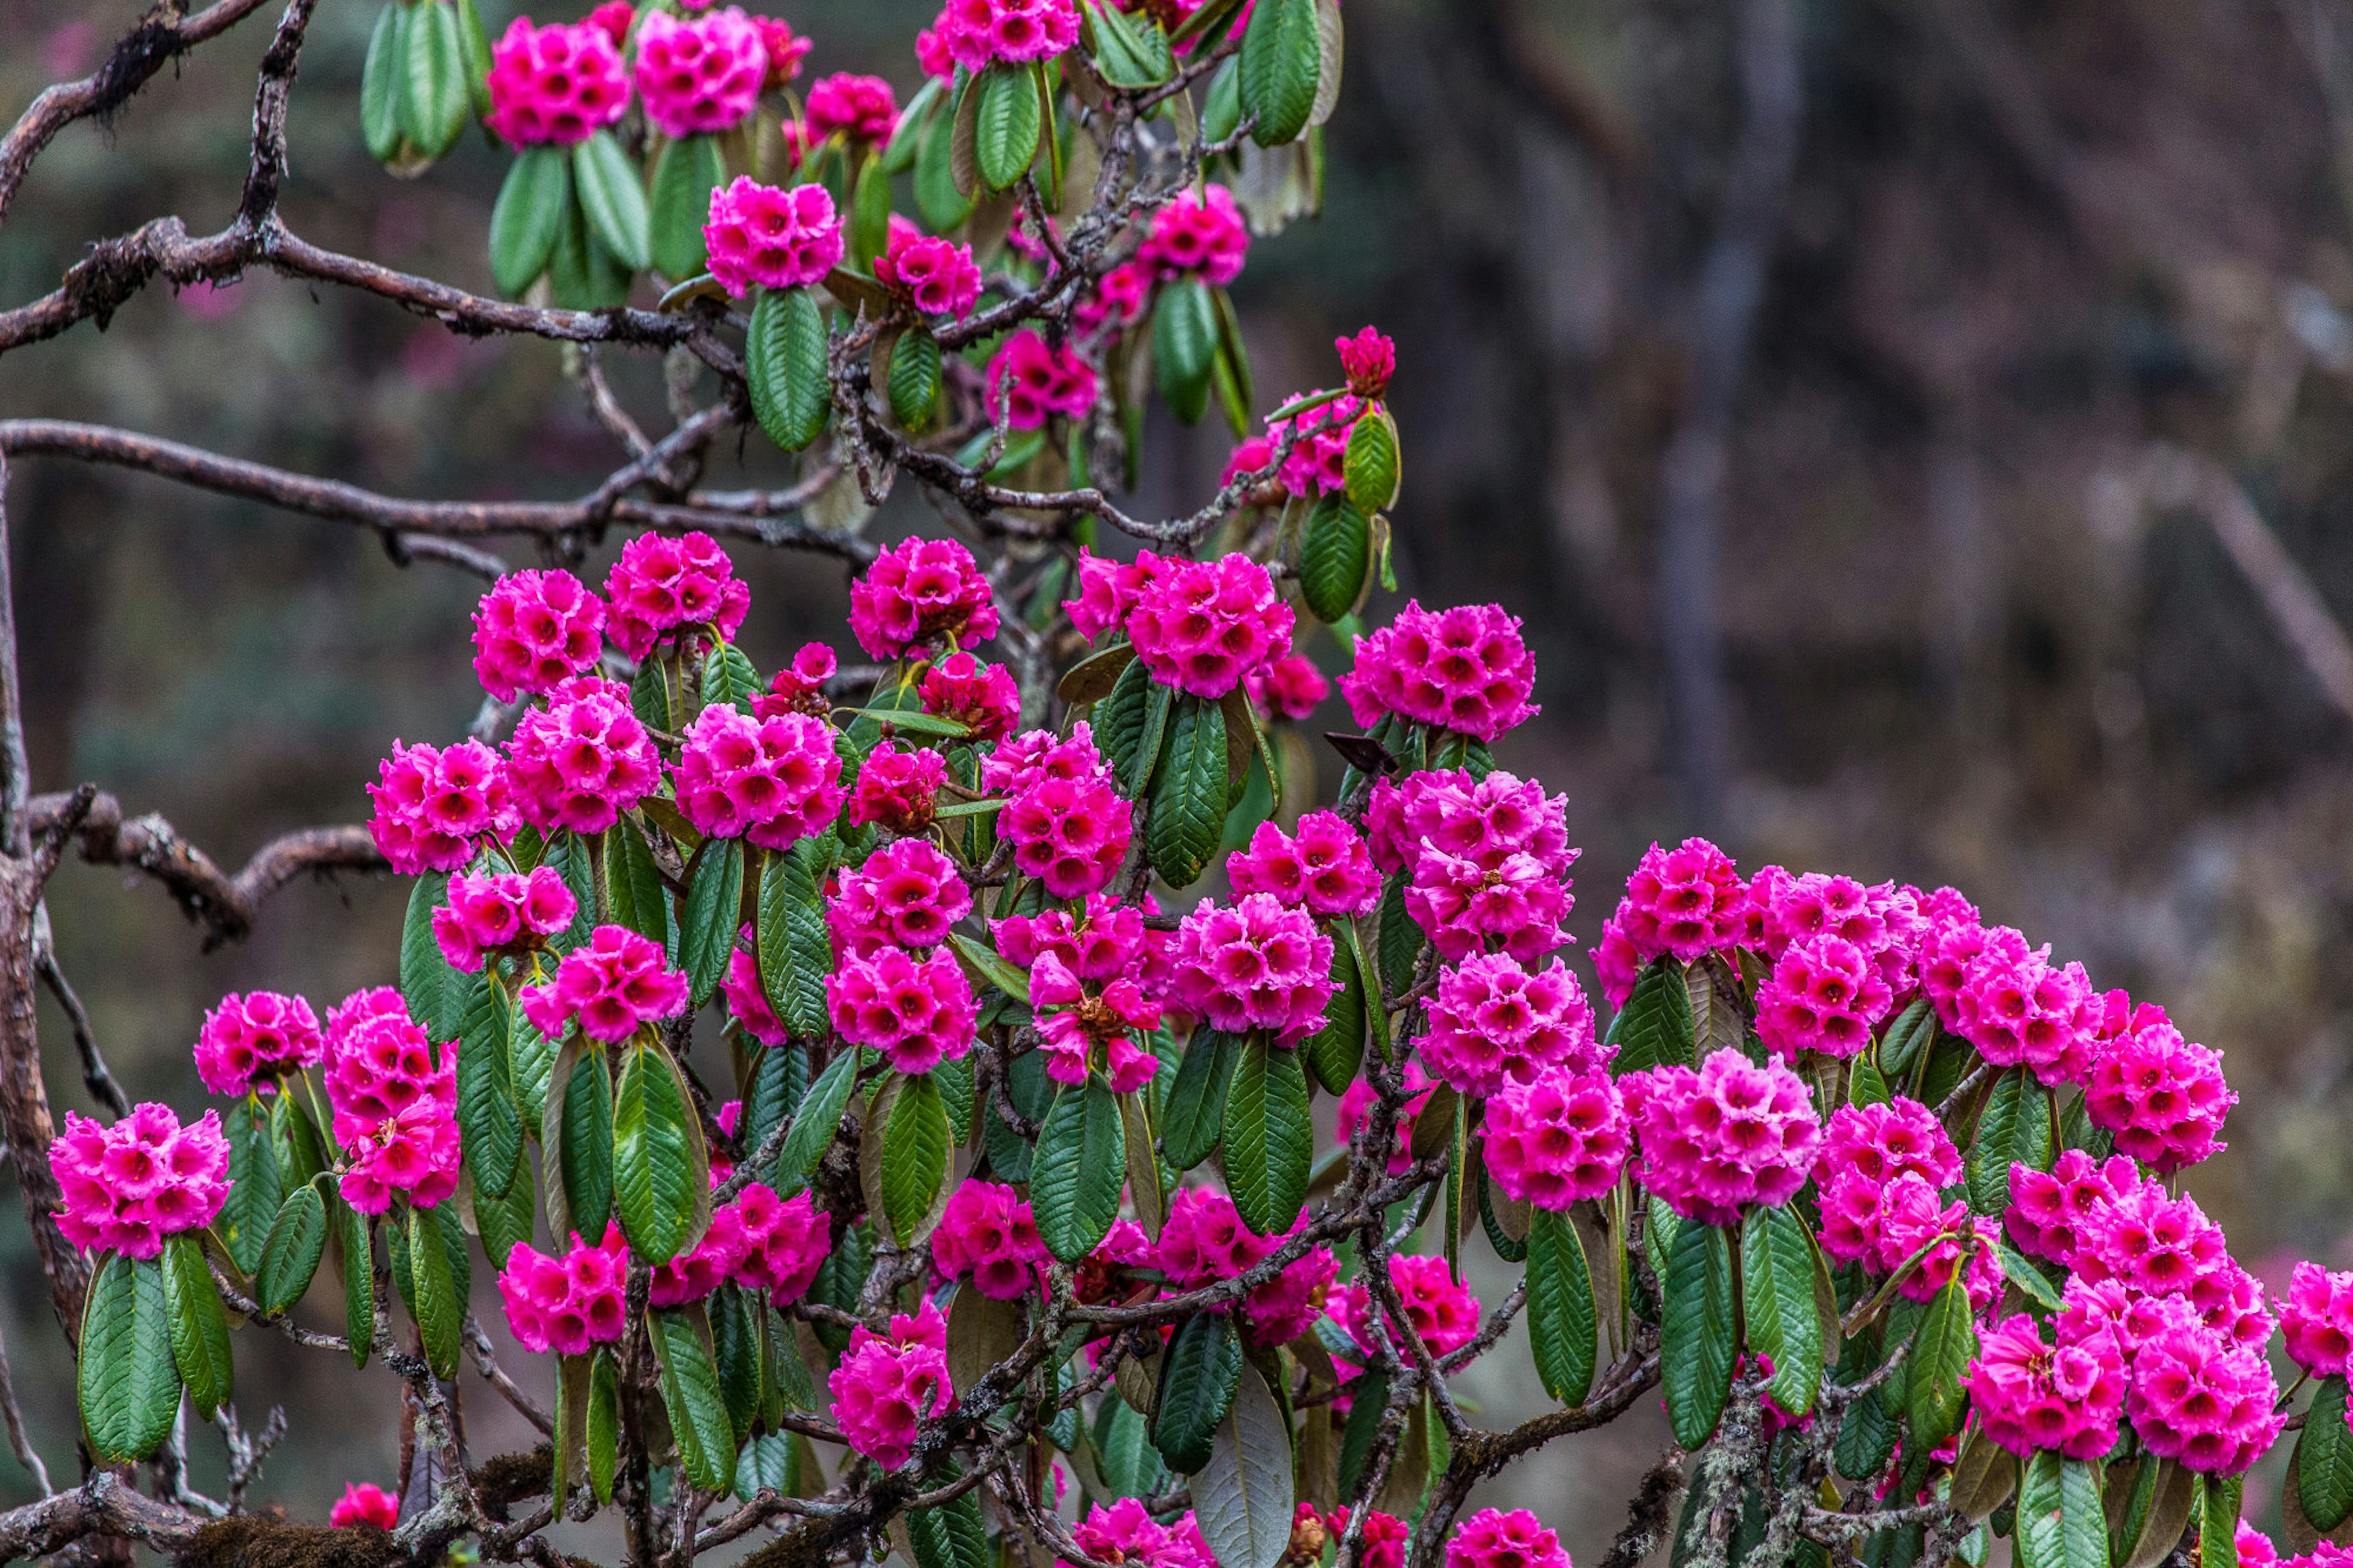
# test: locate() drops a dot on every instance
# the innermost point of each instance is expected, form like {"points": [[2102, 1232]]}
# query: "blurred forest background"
{"points": [[1915, 431]]}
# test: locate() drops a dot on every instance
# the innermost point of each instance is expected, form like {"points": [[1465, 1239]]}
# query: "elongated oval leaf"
{"points": [[2324, 1458], [1337, 1050], [1371, 462], [939, 199], [1654, 1028], [817, 1123], [255, 1186], [380, 91], [634, 884], [951, 1535], [1334, 555], [580, 1114], [914, 1156], [436, 993], [1195, 1116], [661, 1168], [602, 1434], [359, 1280], [1563, 1324], [2217, 1521], [490, 1134], [735, 1354], [914, 382], [1696, 1349], [1243, 1497], [503, 1222], [1080, 1161], [127, 1378], [434, 97], [714, 900], [685, 173], [1200, 1372], [1268, 1139], [1282, 60], [529, 216], [2015, 1128], [1119, 716], [1006, 122], [785, 367], [796, 948], [199, 1326], [1942, 1349], [611, 198], [2060, 1522], [1184, 345], [1190, 793], [440, 1312], [1776, 1278], [290, 1254], [698, 1411]]}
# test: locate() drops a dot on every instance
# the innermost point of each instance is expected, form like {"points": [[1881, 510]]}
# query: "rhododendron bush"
{"points": [[986, 1101]]}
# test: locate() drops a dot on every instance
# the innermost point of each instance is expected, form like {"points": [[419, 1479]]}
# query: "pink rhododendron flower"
{"points": [[938, 277], [2162, 1096], [2016, 1007], [1082, 1028], [2031, 1396], [1104, 941], [1199, 235], [1317, 462], [433, 804], [1555, 1137], [614, 983], [1032, 381], [886, 1386], [1205, 1241], [396, 1115], [1824, 995], [1683, 903], [1254, 964], [1383, 1541], [919, 592], [770, 781], [496, 912], [2152, 1243], [918, 1012], [799, 687], [2203, 1400], [2048, 1210], [982, 697], [978, 34], [248, 1041], [906, 894], [1464, 668], [1441, 1308], [747, 1001], [987, 1235], [126, 1187], [583, 760], [1368, 360], [787, 238], [704, 74], [1494, 1022], [1118, 299], [2317, 1318], [570, 1304], [554, 84], [1124, 1532], [1323, 867], [1071, 833], [614, 19], [1202, 625], [861, 108], [1289, 688], [1730, 1135], [364, 1502], [786, 1241], [1490, 860], [535, 631], [1493, 1539], [897, 789], [2255, 1549], [1911, 1218], [784, 48]]}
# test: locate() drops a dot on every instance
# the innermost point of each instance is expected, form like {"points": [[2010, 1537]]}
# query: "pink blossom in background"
{"points": [[1032, 381], [987, 1235], [1289, 688], [704, 74], [1368, 360], [1200, 234], [978, 34], [887, 1385], [861, 108], [919, 592], [1493, 1539], [364, 1502], [939, 277], [897, 789], [556, 84]]}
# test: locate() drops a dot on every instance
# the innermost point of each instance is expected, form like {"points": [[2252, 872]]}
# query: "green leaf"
{"points": [[1334, 555], [914, 381], [1562, 1321], [2060, 1521], [1337, 1050], [1268, 1139], [714, 903], [988, 968], [1232, 368], [1697, 1347], [290, 1254], [490, 1132], [779, 1081], [914, 1156], [126, 1377], [1200, 1372], [737, 1355], [1243, 1497], [1371, 463], [294, 1140], [506, 1221], [359, 1281], [568, 856], [1281, 59], [1866, 1437], [612, 199], [1081, 1161], [2016, 1126], [439, 1310], [1006, 122], [434, 98], [380, 93], [1184, 346], [1910, 1035], [1188, 797], [436, 993], [1399, 939], [652, 697], [579, 1130], [1195, 1116], [529, 216], [602, 1434], [796, 948], [1130, 51], [1934, 1387], [582, 272], [698, 1411], [785, 367], [254, 1185], [1654, 1028], [2027, 1275], [1369, 1397], [1120, 716], [2217, 1521], [940, 202], [870, 214], [2324, 1458], [951, 1535], [729, 678], [899, 153], [634, 884], [199, 1326], [531, 1061], [817, 1123], [1777, 1278], [661, 1170], [685, 173], [477, 42]]}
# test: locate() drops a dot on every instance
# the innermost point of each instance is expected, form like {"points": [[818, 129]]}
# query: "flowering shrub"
{"points": [[884, 1027]]}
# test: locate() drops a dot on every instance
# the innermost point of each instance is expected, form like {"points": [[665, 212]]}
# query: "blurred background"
{"points": [[1914, 432]]}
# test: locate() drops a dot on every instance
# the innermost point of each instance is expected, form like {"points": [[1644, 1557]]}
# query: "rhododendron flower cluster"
{"points": [[1082, 1028], [2317, 1315], [249, 1041], [907, 892], [364, 1502], [799, 687], [982, 697], [1935, 1239], [1866, 1149], [1494, 1539], [1199, 235], [977, 34], [1682, 903], [570, 1304], [886, 1385], [918, 593], [2048, 1210], [1555, 1138], [1254, 964], [500, 912], [2162, 1096], [613, 984], [938, 277], [2031, 1395], [1716, 1140], [2204, 1400], [747, 1001], [1493, 1022], [1321, 867], [1488, 859], [1825, 995], [536, 630], [897, 789], [583, 760], [1068, 824], [776, 239], [770, 781], [554, 83], [1368, 360], [1465, 670], [987, 1234], [662, 586], [1032, 381], [1318, 461], [1290, 687], [1440, 1307], [1359, 1101], [433, 805], [702, 75], [857, 108], [1205, 1241], [1203, 626], [918, 1012], [396, 1114], [756, 1240], [126, 1187]]}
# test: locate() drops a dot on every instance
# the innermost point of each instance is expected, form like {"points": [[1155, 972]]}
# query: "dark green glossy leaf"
{"points": [[737, 1355], [1006, 122], [817, 1123], [1696, 1349], [915, 379], [581, 1119], [634, 884], [436, 993], [434, 98], [796, 948], [1777, 1278], [685, 173], [2324, 1458], [1371, 463], [2016, 1127], [1563, 1325], [1184, 346], [1243, 1498], [529, 216], [490, 1132], [1942, 1349], [951, 1535], [785, 368], [698, 1411], [440, 1312], [611, 198], [914, 1156], [127, 1380], [1081, 1161], [1336, 553], [779, 1079], [380, 90], [199, 1326], [1281, 59], [1337, 1050], [715, 902], [2060, 1521], [1189, 794], [255, 1187], [1269, 1140], [359, 1281], [938, 199], [290, 1253], [1200, 1372], [1195, 1116], [1654, 1028], [661, 1168]]}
